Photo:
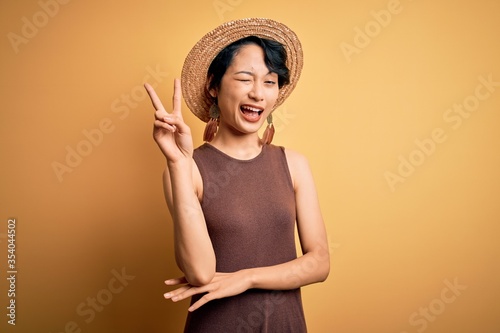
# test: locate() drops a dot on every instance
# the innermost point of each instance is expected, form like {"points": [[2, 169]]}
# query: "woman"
{"points": [[236, 199]]}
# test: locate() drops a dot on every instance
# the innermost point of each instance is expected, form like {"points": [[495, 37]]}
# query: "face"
{"points": [[248, 91]]}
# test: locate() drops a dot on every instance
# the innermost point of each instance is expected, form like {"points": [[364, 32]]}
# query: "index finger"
{"points": [[154, 97], [176, 99]]}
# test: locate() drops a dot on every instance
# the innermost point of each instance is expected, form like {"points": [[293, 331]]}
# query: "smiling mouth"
{"points": [[251, 111]]}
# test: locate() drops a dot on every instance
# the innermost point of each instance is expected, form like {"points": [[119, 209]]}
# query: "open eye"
{"points": [[271, 79]]}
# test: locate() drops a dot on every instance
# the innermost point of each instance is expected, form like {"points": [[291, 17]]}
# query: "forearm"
{"points": [[193, 249], [310, 268]]}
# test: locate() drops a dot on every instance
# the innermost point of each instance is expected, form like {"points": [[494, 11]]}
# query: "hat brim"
{"points": [[194, 71]]}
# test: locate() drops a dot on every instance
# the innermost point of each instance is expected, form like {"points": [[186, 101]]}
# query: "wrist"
{"points": [[179, 164], [250, 277], [179, 172]]}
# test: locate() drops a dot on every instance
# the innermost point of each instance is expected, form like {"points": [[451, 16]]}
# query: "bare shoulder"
{"points": [[298, 166], [295, 159]]}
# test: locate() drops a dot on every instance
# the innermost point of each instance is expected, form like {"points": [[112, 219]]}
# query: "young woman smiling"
{"points": [[236, 200]]}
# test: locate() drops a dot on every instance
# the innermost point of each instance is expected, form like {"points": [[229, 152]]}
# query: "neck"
{"points": [[243, 146]]}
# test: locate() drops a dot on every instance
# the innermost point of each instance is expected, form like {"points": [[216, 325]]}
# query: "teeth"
{"points": [[249, 108]]}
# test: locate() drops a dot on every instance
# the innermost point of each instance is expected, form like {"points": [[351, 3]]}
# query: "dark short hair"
{"points": [[274, 58]]}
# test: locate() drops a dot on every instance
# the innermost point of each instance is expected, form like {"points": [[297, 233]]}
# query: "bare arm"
{"points": [[181, 182], [314, 265], [194, 253]]}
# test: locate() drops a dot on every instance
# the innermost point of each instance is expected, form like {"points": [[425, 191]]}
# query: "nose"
{"points": [[257, 92]]}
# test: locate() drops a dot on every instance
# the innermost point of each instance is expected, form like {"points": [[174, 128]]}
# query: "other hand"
{"points": [[222, 285]]}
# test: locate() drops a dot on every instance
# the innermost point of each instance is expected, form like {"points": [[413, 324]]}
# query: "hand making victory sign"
{"points": [[170, 132]]}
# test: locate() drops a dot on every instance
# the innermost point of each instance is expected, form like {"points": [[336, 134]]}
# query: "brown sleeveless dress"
{"points": [[249, 208]]}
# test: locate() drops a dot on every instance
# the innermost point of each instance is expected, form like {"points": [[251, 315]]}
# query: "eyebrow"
{"points": [[250, 73]]}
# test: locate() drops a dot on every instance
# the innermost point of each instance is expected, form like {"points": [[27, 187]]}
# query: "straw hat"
{"points": [[194, 71]]}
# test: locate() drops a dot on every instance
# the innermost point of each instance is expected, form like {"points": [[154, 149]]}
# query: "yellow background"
{"points": [[395, 247]]}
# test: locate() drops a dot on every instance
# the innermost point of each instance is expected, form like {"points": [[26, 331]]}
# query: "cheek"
{"points": [[231, 99], [273, 96], [225, 96], [231, 92], [228, 101]]}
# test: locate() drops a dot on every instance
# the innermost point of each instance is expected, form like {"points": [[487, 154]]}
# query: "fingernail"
{"points": [[167, 295], [175, 298]]}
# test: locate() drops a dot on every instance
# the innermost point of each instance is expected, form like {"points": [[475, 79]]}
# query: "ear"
{"points": [[212, 92]]}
